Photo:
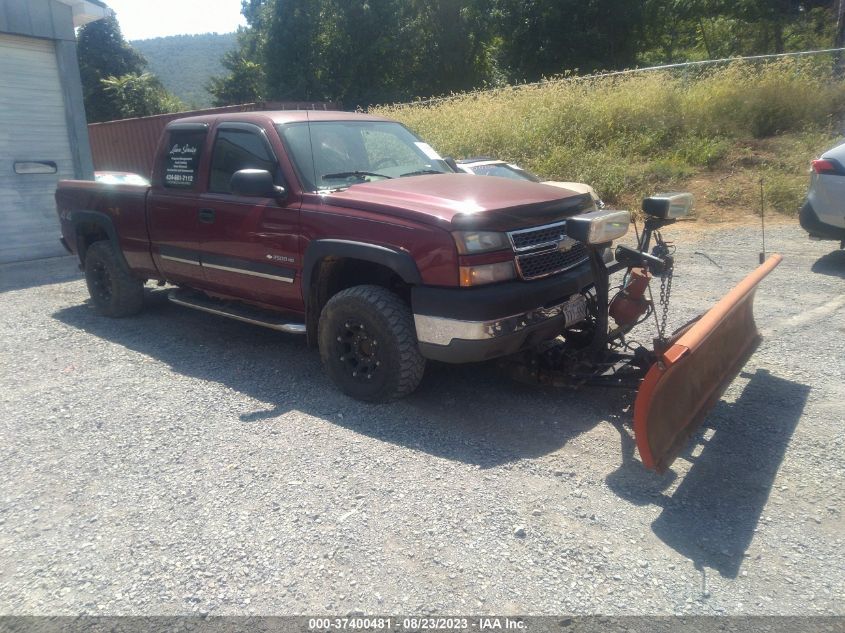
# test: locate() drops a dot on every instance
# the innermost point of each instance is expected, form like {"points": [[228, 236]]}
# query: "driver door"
{"points": [[250, 246]]}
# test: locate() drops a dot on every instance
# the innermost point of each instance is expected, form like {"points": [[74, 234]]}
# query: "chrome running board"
{"points": [[234, 310]]}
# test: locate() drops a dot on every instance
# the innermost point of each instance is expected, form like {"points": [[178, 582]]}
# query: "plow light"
{"points": [[598, 227], [669, 206]]}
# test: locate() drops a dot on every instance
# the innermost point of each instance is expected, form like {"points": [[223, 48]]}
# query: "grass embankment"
{"points": [[715, 133]]}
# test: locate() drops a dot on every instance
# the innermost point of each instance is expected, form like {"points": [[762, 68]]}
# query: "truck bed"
{"points": [[124, 205]]}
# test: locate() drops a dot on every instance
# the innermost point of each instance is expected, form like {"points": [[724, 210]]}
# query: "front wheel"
{"points": [[114, 292], [368, 344]]}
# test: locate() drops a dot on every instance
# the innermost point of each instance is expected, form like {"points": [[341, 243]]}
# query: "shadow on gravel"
{"points": [[712, 515], [42, 272], [832, 264], [472, 414]]}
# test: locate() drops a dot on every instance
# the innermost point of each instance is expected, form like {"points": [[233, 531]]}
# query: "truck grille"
{"points": [[546, 250], [528, 239], [547, 263]]}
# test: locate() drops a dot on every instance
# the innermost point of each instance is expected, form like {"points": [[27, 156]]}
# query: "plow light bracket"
{"points": [[669, 206], [632, 258], [598, 227]]}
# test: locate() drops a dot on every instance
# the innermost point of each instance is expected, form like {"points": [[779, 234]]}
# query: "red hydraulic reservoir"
{"points": [[630, 304]]}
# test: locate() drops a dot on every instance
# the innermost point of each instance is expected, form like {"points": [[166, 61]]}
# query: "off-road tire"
{"points": [[114, 292], [368, 344]]}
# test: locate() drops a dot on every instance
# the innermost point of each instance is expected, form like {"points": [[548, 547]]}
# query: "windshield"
{"points": [[503, 170], [333, 155]]}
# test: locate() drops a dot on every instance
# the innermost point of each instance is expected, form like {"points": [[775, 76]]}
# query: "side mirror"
{"points": [[452, 164], [255, 183], [669, 206]]}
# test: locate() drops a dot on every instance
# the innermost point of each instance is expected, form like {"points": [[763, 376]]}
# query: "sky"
{"points": [[143, 19]]}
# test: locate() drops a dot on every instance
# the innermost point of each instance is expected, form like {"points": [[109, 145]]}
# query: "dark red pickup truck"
{"points": [[344, 227], [350, 230]]}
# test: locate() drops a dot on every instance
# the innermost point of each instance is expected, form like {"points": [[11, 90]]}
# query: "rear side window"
{"points": [[182, 162], [235, 150]]}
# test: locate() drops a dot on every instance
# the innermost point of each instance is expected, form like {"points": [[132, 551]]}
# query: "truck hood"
{"points": [[463, 201]]}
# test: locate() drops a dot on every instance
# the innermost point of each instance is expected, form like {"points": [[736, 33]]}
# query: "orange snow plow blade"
{"points": [[692, 374]]}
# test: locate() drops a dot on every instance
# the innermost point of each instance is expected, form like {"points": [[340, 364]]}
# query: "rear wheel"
{"points": [[368, 344], [114, 292]]}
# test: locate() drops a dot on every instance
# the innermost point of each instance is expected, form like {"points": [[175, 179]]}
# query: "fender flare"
{"points": [[398, 261], [102, 221]]}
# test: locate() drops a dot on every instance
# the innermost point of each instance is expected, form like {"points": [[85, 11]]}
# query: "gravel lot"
{"points": [[179, 462]]}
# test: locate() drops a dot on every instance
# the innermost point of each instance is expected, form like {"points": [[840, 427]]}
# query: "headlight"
{"points": [[487, 273], [472, 242], [598, 227]]}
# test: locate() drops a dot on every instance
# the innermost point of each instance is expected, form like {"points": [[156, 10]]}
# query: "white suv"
{"points": [[823, 214]]}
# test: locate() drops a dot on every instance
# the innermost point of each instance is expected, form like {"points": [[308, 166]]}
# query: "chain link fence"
{"points": [[836, 58]]}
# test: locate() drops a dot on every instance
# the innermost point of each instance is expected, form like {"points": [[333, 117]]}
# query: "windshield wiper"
{"points": [[360, 174], [422, 172]]}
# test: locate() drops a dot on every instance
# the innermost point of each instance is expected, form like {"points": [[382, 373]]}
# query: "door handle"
{"points": [[206, 216]]}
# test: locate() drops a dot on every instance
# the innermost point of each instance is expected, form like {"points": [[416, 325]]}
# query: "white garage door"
{"points": [[33, 139]]}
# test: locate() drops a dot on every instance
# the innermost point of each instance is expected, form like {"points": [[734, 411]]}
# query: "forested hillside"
{"points": [[186, 63], [116, 82]]}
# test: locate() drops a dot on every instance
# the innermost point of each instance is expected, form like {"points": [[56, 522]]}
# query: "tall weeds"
{"points": [[629, 135]]}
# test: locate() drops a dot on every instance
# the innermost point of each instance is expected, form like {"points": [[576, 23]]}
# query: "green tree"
{"points": [[450, 40], [365, 60], [679, 30], [361, 52], [768, 16], [540, 38], [672, 29], [375, 51], [293, 63], [136, 95], [102, 53], [244, 83], [756, 27]]}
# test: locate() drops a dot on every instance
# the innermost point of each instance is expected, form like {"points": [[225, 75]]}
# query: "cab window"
{"points": [[235, 150], [181, 164]]}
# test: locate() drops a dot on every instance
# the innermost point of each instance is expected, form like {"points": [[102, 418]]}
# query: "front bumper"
{"points": [[465, 325]]}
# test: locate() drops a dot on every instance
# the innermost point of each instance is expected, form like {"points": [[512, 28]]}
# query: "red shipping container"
{"points": [[130, 144]]}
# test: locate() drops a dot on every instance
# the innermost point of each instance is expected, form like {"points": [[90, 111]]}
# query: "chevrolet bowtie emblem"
{"points": [[565, 244]]}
